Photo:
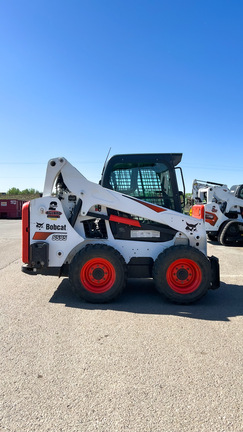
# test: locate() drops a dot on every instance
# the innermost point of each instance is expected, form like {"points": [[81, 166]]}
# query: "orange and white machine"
{"points": [[222, 210], [99, 237]]}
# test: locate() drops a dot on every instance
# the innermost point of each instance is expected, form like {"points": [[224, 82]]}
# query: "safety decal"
{"points": [[52, 212]]}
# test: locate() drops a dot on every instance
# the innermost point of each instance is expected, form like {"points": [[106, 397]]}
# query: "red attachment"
{"points": [[184, 276], [98, 275], [25, 233], [198, 211], [127, 221]]}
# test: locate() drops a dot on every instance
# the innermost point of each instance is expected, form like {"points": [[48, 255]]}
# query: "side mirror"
{"points": [[182, 199]]}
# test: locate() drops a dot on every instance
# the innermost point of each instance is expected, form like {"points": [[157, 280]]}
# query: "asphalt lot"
{"points": [[139, 364]]}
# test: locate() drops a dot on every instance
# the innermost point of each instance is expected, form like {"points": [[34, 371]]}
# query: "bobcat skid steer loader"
{"points": [[99, 237], [222, 209]]}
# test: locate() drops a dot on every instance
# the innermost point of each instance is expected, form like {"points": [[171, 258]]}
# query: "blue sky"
{"points": [[80, 76]]}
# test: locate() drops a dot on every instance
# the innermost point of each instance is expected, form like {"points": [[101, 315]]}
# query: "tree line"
{"points": [[17, 191]]}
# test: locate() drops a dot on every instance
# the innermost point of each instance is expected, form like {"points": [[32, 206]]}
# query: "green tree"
{"points": [[17, 191], [30, 191], [13, 191]]}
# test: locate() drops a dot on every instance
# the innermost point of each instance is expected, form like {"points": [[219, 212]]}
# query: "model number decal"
{"points": [[59, 237]]}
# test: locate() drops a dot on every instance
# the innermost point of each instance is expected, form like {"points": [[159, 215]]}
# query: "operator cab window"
{"points": [[237, 190], [148, 182]]}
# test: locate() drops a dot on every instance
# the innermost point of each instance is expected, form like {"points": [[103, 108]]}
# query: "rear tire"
{"points": [[182, 274], [229, 235], [98, 273]]}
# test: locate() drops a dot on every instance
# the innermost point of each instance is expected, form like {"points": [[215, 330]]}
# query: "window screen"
{"points": [[148, 182]]}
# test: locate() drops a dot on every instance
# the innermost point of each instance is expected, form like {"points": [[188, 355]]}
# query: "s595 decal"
{"points": [[59, 237]]}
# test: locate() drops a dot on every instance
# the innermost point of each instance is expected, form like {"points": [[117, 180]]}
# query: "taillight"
{"points": [[25, 233], [211, 218]]}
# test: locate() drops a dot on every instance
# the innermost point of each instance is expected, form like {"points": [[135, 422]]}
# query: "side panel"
{"points": [[48, 224]]}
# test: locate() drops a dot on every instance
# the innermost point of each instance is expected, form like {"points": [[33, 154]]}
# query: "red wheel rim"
{"points": [[184, 276], [98, 275]]}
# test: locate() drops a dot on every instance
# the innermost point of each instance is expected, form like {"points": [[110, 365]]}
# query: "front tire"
{"points": [[182, 274], [98, 273]]}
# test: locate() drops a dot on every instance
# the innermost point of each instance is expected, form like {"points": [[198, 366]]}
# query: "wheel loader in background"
{"points": [[222, 209], [129, 225]]}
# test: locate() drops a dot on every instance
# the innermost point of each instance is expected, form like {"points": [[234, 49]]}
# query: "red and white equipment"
{"points": [[222, 209], [98, 237]]}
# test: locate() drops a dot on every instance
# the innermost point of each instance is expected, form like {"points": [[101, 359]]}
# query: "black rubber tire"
{"points": [[182, 274], [229, 230], [98, 273], [212, 237]]}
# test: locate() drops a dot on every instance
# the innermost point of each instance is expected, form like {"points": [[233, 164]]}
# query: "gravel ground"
{"points": [[139, 364]]}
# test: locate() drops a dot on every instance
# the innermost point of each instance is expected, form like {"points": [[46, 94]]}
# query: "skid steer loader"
{"points": [[99, 237], [222, 209]]}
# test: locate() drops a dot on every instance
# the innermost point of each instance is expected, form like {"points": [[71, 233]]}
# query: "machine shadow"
{"points": [[141, 297]]}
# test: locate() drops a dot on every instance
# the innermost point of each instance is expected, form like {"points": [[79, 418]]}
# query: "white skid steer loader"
{"points": [[222, 209], [98, 237]]}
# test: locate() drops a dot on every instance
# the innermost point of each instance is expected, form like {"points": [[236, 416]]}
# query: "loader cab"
{"points": [[149, 177], [237, 191]]}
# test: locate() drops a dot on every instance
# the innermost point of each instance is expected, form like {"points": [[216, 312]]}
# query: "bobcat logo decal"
{"points": [[191, 227], [39, 225]]}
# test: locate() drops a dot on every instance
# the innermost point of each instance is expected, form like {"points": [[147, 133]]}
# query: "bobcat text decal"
{"points": [[54, 227]]}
